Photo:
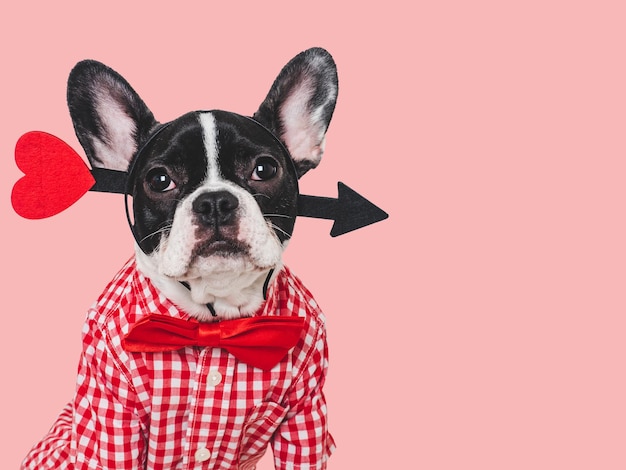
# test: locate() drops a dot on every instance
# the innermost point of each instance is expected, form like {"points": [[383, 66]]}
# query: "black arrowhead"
{"points": [[350, 210]]}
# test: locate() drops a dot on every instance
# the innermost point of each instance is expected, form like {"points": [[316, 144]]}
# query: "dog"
{"points": [[211, 199]]}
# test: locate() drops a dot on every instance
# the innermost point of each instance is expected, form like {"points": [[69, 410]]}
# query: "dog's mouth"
{"points": [[218, 245]]}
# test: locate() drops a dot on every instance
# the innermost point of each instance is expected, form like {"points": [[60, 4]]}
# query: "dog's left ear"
{"points": [[300, 104], [110, 119]]}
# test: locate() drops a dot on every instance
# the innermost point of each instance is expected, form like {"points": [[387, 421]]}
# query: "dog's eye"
{"points": [[159, 181], [265, 168]]}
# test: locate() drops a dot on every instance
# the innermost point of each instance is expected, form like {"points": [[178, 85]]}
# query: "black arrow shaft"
{"points": [[350, 211], [317, 207], [112, 181], [109, 181]]}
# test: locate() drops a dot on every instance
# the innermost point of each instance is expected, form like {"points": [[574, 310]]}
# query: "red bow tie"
{"points": [[259, 341]]}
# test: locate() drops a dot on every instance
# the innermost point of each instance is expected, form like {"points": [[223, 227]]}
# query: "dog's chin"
{"points": [[232, 282], [218, 276]]}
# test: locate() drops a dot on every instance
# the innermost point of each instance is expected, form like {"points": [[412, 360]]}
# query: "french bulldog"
{"points": [[211, 199], [214, 193]]}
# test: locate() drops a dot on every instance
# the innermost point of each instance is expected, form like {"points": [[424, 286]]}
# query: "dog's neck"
{"points": [[242, 300]]}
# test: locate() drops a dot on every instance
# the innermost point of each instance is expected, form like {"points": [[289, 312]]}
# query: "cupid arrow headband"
{"points": [[55, 177]]}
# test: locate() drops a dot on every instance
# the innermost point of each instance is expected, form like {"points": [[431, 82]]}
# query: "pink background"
{"points": [[482, 325]]}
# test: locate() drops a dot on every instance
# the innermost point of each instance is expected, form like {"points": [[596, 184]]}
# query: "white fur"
{"points": [[209, 136], [233, 283], [235, 304]]}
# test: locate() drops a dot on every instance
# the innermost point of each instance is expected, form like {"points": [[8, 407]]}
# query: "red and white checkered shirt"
{"points": [[195, 408]]}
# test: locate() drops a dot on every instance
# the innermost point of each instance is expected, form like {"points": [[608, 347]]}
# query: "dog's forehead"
{"points": [[211, 146], [236, 130], [211, 133], [182, 136]]}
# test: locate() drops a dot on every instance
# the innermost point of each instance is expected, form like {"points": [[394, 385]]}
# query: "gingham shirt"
{"points": [[196, 408]]}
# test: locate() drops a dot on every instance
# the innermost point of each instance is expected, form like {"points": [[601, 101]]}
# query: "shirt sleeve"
{"points": [[302, 441], [107, 431], [53, 451]]}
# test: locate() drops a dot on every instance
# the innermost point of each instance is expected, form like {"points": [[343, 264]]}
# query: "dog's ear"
{"points": [[300, 104], [110, 119]]}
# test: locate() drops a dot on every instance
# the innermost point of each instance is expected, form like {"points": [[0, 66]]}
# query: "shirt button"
{"points": [[214, 378], [202, 454]]}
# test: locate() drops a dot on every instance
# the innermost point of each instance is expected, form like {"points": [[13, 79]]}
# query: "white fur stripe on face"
{"points": [[209, 135]]}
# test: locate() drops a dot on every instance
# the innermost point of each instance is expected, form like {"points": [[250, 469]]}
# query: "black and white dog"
{"points": [[213, 206], [214, 193]]}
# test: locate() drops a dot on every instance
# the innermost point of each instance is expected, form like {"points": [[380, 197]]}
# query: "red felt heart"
{"points": [[55, 176]]}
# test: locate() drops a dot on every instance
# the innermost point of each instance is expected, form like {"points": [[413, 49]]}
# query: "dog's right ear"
{"points": [[110, 119]]}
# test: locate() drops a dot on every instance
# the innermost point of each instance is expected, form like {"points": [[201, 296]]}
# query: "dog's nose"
{"points": [[216, 208]]}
